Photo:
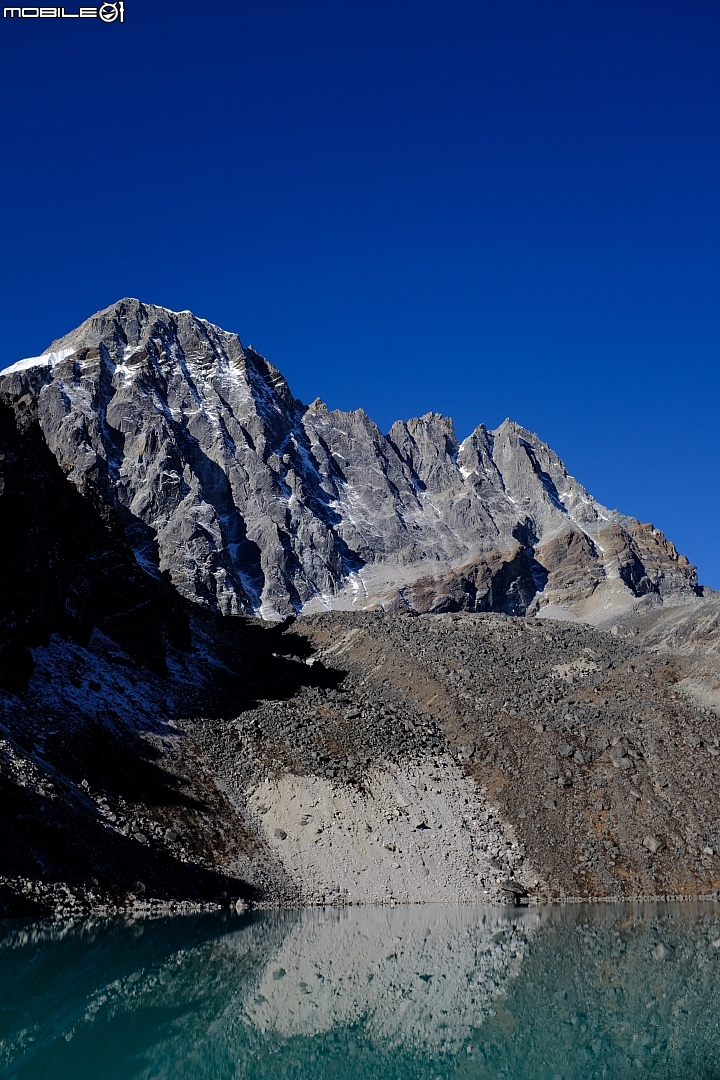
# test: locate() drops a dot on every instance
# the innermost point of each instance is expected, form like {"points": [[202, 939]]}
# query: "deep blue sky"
{"points": [[482, 209]]}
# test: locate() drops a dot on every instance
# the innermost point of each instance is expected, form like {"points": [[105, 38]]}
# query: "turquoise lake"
{"points": [[429, 992]]}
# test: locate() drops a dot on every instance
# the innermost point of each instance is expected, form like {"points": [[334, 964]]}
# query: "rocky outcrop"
{"points": [[253, 502], [499, 581], [67, 568]]}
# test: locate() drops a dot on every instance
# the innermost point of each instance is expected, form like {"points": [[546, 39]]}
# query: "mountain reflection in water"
{"points": [[414, 992]]}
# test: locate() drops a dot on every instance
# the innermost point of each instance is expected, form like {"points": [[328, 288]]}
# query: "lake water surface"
{"points": [[409, 992]]}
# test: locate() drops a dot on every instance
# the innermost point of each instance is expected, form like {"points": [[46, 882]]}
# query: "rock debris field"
{"points": [[460, 751], [349, 758]]}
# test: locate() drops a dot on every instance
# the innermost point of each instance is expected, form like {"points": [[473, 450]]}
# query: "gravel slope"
{"points": [[354, 758], [593, 763]]}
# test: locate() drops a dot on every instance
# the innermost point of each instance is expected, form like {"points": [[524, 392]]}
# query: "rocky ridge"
{"points": [[252, 502]]}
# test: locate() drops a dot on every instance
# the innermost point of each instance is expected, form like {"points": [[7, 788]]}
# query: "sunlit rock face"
{"points": [[253, 502]]}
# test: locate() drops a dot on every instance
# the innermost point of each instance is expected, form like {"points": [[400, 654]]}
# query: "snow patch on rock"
{"points": [[48, 360]]}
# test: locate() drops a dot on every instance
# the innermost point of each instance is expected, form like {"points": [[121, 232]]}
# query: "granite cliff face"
{"points": [[253, 502]]}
